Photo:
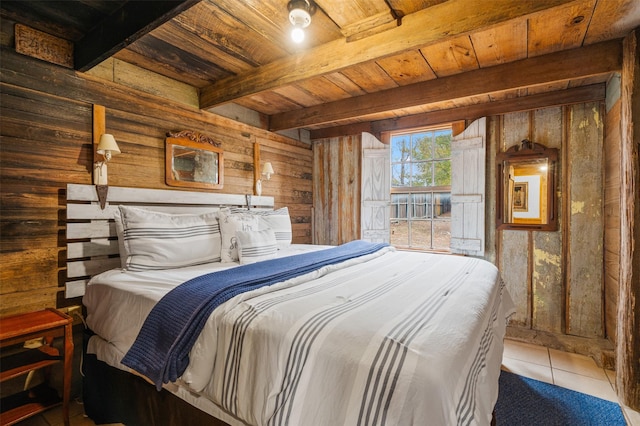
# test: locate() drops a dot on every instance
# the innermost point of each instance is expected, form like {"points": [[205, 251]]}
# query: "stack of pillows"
{"points": [[151, 240]]}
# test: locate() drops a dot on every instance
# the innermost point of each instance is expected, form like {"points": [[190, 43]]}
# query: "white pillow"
{"points": [[229, 224], [278, 220], [254, 246], [154, 240]]}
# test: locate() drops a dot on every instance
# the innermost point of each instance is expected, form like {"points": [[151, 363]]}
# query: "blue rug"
{"points": [[523, 401]]}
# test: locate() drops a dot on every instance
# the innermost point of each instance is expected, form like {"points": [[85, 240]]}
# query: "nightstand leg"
{"points": [[68, 366]]}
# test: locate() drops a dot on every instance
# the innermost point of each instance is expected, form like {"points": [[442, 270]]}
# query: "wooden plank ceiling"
{"points": [[374, 62]]}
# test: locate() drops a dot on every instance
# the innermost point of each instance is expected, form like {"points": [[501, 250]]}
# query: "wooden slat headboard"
{"points": [[92, 244]]}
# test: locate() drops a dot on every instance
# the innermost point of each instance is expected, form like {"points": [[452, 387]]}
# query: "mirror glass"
{"points": [[526, 182], [193, 164]]}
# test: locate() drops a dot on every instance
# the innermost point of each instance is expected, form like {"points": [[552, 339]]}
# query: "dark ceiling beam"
{"points": [[428, 26], [133, 20], [590, 93], [597, 59]]}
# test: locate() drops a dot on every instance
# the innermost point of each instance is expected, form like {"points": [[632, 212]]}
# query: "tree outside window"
{"points": [[421, 189]]}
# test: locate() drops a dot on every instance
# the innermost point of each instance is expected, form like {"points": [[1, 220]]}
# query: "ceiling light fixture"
{"points": [[300, 12]]}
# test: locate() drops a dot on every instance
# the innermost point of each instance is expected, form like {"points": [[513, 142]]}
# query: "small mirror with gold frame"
{"points": [[526, 182], [193, 160]]}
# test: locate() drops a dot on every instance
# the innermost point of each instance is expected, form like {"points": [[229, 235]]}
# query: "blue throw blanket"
{"points": [[161, 350]]}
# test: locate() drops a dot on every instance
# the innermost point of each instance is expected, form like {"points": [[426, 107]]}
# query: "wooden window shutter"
{"points": [[376, 190], [468, 190]]}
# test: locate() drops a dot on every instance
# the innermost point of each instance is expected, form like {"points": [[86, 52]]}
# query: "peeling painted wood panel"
{"points": [[514, 267], [515, 127], [546, 281], [513, 255], [585, 226]]}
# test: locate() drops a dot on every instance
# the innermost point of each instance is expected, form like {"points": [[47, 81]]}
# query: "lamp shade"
{"points": [[267, 169], [107, 143]]}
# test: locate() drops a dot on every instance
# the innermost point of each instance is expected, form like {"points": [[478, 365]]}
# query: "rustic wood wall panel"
{"points": [[514, 267], [349, 189], [546, 281], [612, 192], [320, 192], [539, 289], [514, 248], [492, 145], [585, 224], [336, 183], [46, 131], [547, 286]]}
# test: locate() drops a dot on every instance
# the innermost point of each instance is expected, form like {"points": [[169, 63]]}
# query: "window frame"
{"points": [[410, 190]]}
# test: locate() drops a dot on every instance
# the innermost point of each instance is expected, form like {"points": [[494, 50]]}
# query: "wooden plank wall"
{"points": [[612, 193], [584, 225], [336, 189], [556, 278], [46, 131]]}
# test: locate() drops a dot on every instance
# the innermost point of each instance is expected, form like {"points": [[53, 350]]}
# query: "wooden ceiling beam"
{"points": [[592, 92], [126, 25], [597, 59], [425, 27]]}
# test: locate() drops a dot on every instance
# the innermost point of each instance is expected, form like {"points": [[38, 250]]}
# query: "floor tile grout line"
{"points": [[553, 377]]}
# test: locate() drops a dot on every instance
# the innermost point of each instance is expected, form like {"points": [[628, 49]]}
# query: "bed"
{"points": [[373, 336]]}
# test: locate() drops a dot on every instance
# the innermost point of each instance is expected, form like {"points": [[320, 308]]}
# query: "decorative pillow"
{"points": [[154, 240], [254, 246], [229, 224], [278, 220]]}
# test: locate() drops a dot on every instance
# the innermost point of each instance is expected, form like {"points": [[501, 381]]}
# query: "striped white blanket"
{"points": [[394, 338]]}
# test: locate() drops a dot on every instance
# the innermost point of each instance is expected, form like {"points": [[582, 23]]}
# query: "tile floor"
{"points": [[572, 371]]}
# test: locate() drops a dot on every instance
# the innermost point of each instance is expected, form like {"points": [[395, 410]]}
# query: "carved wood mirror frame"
{"points": [[528, 201], [193, 160]]}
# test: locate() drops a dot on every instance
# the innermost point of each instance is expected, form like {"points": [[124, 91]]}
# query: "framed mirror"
{"points": [[193, 160], [526, 187]]}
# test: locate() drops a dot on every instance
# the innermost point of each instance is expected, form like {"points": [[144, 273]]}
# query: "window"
{"points": [[421, 189]]}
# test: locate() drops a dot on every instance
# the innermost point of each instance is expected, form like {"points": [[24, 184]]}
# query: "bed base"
{"points": [[114, 396]]}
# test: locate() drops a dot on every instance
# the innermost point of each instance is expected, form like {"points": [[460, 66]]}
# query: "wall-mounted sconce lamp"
{"points": [[267, 170], [107, 147]]}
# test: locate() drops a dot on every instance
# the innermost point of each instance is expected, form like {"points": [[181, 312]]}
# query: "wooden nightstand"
{"points": [[16, 329]]}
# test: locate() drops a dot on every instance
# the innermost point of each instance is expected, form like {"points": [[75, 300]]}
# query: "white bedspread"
{"points": [[396, 338]]}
